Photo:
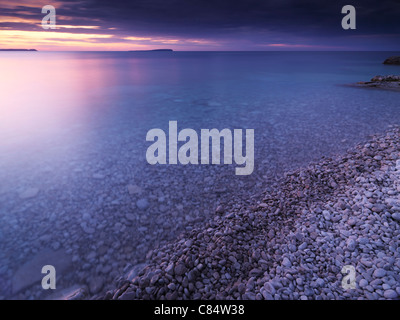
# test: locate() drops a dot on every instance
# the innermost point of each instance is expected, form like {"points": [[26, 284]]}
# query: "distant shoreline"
{"points": [[18, 50], [155, 50]]}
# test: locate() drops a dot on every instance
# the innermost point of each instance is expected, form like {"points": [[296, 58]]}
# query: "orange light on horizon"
{"points": [[33, 39], [62, 26], [8, 19]]}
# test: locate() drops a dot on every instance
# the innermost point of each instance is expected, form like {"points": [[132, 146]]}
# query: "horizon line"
{"points": [[157, 50]]}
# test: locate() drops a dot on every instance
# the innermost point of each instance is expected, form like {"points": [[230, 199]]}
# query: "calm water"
{"points": [[73, 128]]}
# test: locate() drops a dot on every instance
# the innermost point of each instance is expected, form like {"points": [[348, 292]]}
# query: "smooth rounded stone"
{"points": [[366, 263], [378, 208], [188, 243], [320, 282], [96, 284], [249, 296], [128, 295], [220, 210], [172, 286], [255, 272], [363, 283], [396, 216], [154, 279], [180, 269], [170, 269], [327, 215], [130, 217], [369, 295], [142, 204], [133, 272], [29, 193], [72, 293], [87, 229], [303, 246], [299, 281], [390, 294], [376, 283], [199, 285], [351, 222], [386, 286], [171, 295], [368, 194], [379, 273], [133, 189], [241, 288], [55, 245], [299, 236], [269, 288], [98, 176], [286, 262], [197, 296], [309, 292], [351, 244], [266, 295]]}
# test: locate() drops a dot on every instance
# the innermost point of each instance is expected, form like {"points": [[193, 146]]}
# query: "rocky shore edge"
{"points": [[392, 60], [388, 82], [341, 211]]}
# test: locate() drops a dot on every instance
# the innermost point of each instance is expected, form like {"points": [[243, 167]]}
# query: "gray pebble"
{"points": [[390, 294], [379, 273], [142, 204]]}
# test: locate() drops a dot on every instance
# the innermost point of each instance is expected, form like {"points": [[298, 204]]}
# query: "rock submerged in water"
{"points": [[142, 204], [29, 193], [29, 273], [392, 60], [75, 292]]}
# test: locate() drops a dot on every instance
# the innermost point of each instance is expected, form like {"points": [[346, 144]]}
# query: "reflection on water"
{"points": [[73, 174]]}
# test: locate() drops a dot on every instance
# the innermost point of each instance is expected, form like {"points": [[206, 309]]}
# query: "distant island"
{"points": [[155, 50], [18, 50]]}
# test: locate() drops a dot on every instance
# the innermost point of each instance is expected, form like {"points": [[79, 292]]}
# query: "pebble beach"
{"points": [[293, 244]]}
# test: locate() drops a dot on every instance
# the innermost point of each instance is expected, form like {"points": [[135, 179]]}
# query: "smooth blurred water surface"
{"points": [[58, 106], [66, 116]]}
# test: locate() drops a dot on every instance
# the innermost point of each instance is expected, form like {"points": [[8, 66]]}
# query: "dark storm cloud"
{"points": [[229, 16]]}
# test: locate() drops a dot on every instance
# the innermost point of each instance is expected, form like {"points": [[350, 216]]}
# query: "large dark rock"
{"points": [[389, 82], [392, 60]]}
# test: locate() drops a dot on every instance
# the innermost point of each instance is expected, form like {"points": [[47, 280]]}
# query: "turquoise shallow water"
{"points": [[73, 128]]}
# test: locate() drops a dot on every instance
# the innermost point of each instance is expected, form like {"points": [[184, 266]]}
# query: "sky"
{"points": [[203, 25]]}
